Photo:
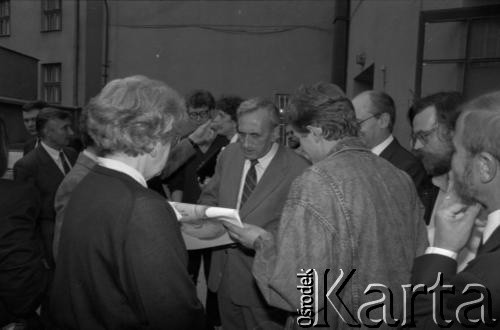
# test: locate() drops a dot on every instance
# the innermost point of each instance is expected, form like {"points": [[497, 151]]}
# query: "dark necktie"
{"points": [[480, 247], [250, 182], [64, 162]]}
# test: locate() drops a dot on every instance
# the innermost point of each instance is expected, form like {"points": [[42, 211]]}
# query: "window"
{"points": [[51, 82], [4, 17], [51, 15], [459, 49]]}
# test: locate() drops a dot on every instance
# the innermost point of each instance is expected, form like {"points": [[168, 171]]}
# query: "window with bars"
{"points": [[51, 82], [51, 15], [459, 49], [4, 17]]}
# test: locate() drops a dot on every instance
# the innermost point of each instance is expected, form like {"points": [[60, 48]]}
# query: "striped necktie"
{"points": [[64, 162], [250, 182]]}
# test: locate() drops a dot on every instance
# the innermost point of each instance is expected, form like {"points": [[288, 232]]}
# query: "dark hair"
{"points": [[328, 89], [447, 106], [480, 121], [82, 125], [199, 99], [47, 114], [4, 149], [229, 104], [335, 116], [38, 104], [383, 103]]}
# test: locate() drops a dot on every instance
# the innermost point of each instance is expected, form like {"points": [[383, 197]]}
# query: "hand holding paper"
{"points": [[196, 214]]}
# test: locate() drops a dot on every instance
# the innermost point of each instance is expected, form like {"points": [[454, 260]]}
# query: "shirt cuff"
{"points": [[443, 252]]}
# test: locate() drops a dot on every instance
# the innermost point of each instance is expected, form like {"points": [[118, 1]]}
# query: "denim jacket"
{"points": [[352, 210]]}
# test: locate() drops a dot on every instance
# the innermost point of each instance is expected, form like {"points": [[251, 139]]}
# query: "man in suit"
{"points": [[30, 111], [254, 176], [476, 180], [376, 114], [433, 120], [45, 167]]}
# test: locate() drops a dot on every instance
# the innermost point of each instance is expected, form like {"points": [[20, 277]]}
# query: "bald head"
{"points": [[376, 114]]}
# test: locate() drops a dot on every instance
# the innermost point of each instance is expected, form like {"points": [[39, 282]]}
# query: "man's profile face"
{"points": [[223, 124], [57, 132], [432, 146], [256, 133], [29, 119], [368, 127]]}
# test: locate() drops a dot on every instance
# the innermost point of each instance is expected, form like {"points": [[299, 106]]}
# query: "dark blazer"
{"points": [[122, 263], [22, 274], [40, 170], [398, 156], [263, 208], [484, 270]]}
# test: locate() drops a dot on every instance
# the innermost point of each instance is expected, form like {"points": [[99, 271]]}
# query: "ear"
{"points": [[384, 120], [317, 132], [488, 166]]}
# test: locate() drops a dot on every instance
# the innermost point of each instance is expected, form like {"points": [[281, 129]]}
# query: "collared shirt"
{"points": [[90, 155], [119, 166], [234, 139], [492, 224], [260, 168], [54, 154], [377, 150]]}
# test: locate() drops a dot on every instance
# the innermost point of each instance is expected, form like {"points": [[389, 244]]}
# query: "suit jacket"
{"points": [[232, 267], [82, 167], [22, 274], [122, 263], [406, 161], [483, 269], [40, 170]]}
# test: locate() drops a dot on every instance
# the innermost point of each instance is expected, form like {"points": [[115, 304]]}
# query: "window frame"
{"points": [[5, 18], [51, 84], [47, 13], [467, 15]]}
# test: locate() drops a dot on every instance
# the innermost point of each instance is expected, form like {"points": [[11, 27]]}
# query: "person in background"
{"points": [[225, 121], [30, 111], [45, 167], [23, 277], [87, 159], [376, 114], [350, 210], [122, 263], [433, 120]]}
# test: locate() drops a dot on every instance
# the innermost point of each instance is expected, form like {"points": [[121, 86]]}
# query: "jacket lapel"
{"points": [[492, 244], [271, 179], [48, 162]]}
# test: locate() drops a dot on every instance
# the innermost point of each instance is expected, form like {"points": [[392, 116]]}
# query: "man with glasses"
{"points": [[376, 114], [433, 120]]}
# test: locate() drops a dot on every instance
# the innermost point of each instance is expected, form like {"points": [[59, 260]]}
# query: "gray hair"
{"points": [[257, 103], [131, 115]]}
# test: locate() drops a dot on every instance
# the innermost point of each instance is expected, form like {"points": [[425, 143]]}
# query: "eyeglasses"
{"points": [[199, 115], [367, 118], [423, 136]]}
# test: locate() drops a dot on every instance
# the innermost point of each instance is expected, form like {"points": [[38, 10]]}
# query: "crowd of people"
{"points": [[89, 241]]}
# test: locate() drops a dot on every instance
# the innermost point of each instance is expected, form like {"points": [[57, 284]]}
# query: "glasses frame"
{"points": [[423, 136]]}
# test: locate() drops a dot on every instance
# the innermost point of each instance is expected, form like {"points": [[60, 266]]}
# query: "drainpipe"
{"points": [[76, 68], [340, 42], [106, 43]]}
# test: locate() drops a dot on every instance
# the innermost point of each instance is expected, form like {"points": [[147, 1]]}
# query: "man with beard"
{"points": [[476, 177], [433, 119]]}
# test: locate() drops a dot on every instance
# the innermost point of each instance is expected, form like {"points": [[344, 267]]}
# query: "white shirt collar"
{"points": [[234, 139], [119, 166], [492, 224], [377, 150], [54, 154], [90, 155], [265, 160]]}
